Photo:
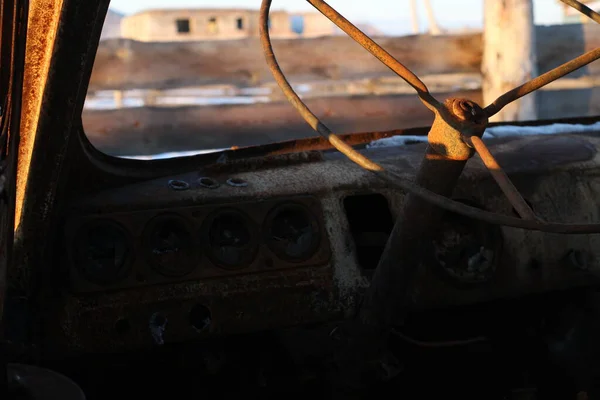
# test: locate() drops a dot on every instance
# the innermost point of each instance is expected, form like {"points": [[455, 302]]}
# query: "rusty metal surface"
{"points": [[455, 119]]}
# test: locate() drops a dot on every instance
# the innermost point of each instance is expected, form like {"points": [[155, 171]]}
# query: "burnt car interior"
{"points": [[316, 267]]}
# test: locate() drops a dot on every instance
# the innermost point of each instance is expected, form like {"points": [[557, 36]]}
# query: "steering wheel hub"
{"points": [[455, 119]]}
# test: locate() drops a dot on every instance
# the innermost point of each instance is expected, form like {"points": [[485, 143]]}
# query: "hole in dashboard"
{"points": [[292, 232], [465, 250], [177, 184], [231, 239], [200, 317], [103, 252], [371, 223], [208, 183], [168, 245], [237, 182]]}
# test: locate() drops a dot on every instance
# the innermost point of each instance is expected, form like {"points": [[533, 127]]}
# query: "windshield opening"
{"points": [[175, 81]]}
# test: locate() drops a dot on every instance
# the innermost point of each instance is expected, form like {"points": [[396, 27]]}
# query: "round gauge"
{"points": [[168, 245], [103, 252], [231, 239], [466, 250], [292, 232]]}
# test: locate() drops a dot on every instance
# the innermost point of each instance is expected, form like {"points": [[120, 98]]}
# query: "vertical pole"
{"points": [[414, 17], [509, 55], [434, 28]]}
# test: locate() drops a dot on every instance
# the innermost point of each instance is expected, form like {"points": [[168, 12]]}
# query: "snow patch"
{"points": [[396, 141], [172, 154], [497, 132], [554, 129]]}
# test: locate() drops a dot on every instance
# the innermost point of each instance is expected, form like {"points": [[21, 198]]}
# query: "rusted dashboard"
{"points": [[241, 247]]}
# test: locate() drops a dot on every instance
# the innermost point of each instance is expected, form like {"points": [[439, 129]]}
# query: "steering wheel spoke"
{"points": [[506, 185], [582, 8], [541, 81], [386, 58]]}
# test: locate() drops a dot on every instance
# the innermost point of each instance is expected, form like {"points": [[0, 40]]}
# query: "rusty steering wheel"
{"points": [[456, 131]]}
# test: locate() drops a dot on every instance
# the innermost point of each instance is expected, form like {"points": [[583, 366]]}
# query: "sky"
{"points": [[391, 16]]}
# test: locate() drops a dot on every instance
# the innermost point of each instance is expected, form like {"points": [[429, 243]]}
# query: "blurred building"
{"points": [[112, 25], [172, 25], [572, 16]]}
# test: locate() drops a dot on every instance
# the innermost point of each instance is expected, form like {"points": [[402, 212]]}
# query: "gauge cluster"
{"points": [[123, 250]]}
